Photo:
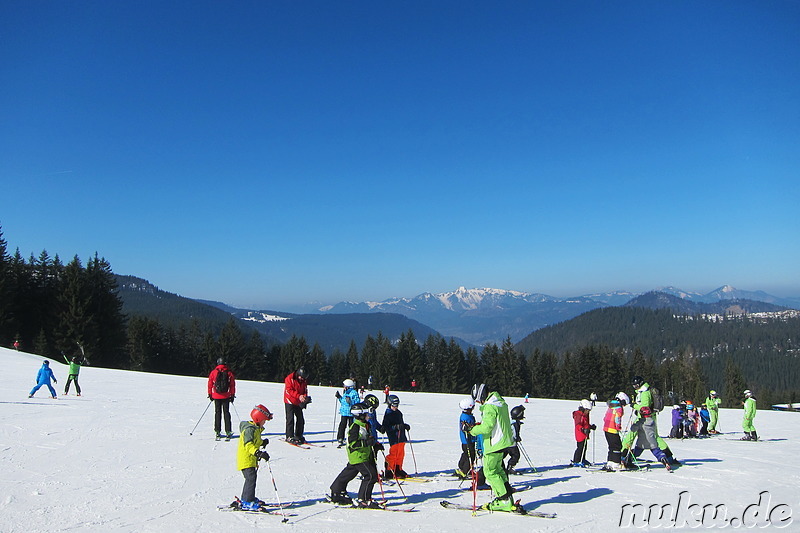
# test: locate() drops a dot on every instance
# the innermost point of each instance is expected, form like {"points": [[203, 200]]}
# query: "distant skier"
{"points": [[16, 344], [249, 452], [495, 426], [74, 370], [43, 377], [346, 400], [295, 399], [361, 450], [222, 391], [712, 404], [749, 414], [395, 428], [583, 428]]}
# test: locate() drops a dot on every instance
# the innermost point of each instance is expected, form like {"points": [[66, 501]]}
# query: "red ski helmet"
{"points": [[260, 414], [646, 411]]}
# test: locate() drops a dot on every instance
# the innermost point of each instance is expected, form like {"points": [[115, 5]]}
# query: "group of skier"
{"points": [[45, 375]]}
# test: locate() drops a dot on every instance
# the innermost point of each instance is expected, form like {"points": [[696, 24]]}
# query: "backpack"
{"points": [[222, 382], [658, 400]]}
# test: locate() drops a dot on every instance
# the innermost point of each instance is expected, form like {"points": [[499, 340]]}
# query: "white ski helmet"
{"points": [[586, 404], [748, 393], [349, 383], [466, 403], [623, 398]]}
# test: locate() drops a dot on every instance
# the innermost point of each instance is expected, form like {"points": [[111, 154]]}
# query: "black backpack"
{"points": [[222, 382], [658, 400]]}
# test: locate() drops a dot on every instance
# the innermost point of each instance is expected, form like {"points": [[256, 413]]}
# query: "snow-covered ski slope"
{"points": [[120, 458]]}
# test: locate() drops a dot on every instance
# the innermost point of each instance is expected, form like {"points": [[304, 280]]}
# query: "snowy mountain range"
{"points": [[482, 315]]}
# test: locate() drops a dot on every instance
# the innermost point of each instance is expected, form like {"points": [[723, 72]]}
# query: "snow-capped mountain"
{"points": [[482, 315]]}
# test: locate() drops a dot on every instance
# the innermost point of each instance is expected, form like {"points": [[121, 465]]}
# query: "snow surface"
{"points": [[121, 458]]}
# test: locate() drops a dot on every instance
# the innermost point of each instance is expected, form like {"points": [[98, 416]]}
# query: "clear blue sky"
{"points": [[267, 153]]}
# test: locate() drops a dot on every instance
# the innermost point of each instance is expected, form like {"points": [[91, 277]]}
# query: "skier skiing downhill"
{"points": [[249, 452], [749, 414], [361, 450], [495, 426], [582, 430], [644, 398], [43, 377], [349, 398]]}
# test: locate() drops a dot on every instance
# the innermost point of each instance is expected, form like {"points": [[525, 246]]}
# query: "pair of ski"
{"points": [[275, 509], [383, 507], [520, 512], [305, 445]]}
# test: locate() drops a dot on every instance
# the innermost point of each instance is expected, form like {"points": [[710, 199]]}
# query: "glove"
{"points": [[466, 426], [209, 397], [233, 398], [370, 441], [593, 427], [266, 441], [338, 395], [406, 427], [586, 431], [55, 380], [378, 447], [261, 454]]}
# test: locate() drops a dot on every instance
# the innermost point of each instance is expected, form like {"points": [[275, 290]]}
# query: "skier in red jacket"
{"points": [[295, 399], [222, 390], [582, 430]]}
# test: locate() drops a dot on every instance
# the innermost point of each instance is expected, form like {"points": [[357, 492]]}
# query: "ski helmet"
{"points": [[637, 381], [393, 400], [518, 413], [466, 403], [623, 398], [614, 402], [480, 392], [220, 361], [260, 414], [747, 393], [46, 362], [358, 409], [301, 373], [372, 401], [713, 393], [349, 383], [586, 404]]}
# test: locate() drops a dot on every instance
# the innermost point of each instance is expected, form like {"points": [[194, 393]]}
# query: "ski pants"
{"points": [[394, 459], [249, 489], [467, 459], [714, 415], [221, 406], [496, 475], [39, 385], [630, 436], [369, 475], [580, 451], [344, 423], [70, 379], [295, 423], [614, 447], [747, 425]]}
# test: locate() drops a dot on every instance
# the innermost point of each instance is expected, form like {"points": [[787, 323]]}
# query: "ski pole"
{"points": [[380, 481], [394, 474], [201, 417], [236, 411], [416, 472], [278, 496], [593, 462], [527, 458], [333, 430]]}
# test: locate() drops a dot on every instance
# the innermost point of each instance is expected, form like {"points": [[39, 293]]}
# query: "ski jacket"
{"points": [[350, 397], [495, 423], [393, 426], [581, 419], [358, 451], [704, 415], [372, 418], [676, 417], [465, 420], [516, 426], [45, 375], [612, 422], [295, 386], [712, 404], [212, 377], [74, 368], [750, 408], [249, 443]]}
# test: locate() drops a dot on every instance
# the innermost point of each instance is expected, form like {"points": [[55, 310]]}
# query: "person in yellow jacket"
{"points": [[495, 426], [249, 452]]}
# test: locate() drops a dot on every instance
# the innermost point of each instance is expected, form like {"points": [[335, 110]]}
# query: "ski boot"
{"points": [[506, 504], [340, 498], [367, 504], [218, 436], [250, 506]]}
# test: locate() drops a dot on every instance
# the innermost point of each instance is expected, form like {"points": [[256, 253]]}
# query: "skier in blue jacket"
{"points": [[43, 378], [346, 400]]}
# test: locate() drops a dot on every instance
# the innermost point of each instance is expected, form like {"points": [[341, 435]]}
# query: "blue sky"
{"points": [[267, 154]]}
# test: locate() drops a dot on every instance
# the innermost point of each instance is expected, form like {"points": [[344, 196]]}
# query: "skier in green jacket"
{"points": [[749, 414], [644, 398], [712, 404], [495, 426], [74, 370]]}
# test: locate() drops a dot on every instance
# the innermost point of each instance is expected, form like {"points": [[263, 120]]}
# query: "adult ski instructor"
{"points": [[495, 426], [222, 391], [295, 399]]}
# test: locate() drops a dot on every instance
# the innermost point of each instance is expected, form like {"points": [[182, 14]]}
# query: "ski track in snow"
{"points": [[120, 458]]}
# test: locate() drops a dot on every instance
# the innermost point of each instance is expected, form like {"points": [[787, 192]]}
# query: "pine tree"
{"points": [[734, 385]]}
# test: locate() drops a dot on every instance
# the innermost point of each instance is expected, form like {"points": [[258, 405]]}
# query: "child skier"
{"points": [[72, 375], [249, 452], [395, 429], [361, 450], [517, 414], [713, 403], [43, 377], [582, 429], [466, 421], [350, 397], [612, 426], [749, 415], [705, 417]]}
